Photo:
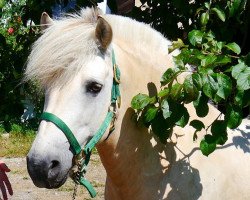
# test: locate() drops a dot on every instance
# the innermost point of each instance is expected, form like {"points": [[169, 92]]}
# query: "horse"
{"points": [[72, 62]]}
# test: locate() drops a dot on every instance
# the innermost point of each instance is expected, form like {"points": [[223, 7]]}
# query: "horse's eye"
{"points": [[94, 87]]}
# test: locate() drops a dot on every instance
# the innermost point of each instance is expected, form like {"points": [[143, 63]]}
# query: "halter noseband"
{"points": [[82, 156]]}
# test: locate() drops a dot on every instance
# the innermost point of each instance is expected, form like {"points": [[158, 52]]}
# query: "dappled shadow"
{"points": [[243, 141], [154, 167], [184, 181]]}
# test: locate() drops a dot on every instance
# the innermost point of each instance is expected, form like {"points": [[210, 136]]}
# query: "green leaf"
{"points": [[207, 5], [219, 131], [182, 122], [161, 128], [234, 47], [225, 86], [199, 10], [179, 62], [197, 124], [163, 93], [150, 114], [2, 3], [179, 115], [201, 105], [167, 77], [197, 80], [204, 18], [153, 100], [233, 116], [218, 126], [189, 56], [222, 138], [220, 13], [210, 87], [207, 145], [165, 109], [205, 47], [219, 45], [176, 91], [204, 72], [195, 37], [210, 36], [140, 101], [176, 45], [238, 99], [237, 69], [243, 81], [222, 60], [217, 99], [191, 93], [208, 60]]}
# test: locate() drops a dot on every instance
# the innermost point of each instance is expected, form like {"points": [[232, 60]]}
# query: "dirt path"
{"points": [[24, 188]]}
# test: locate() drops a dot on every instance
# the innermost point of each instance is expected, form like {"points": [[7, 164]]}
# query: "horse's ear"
{"points": [[45, 21], [103, 33]]}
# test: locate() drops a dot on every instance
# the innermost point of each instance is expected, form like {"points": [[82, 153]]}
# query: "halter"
{"points": [[82, 156]]}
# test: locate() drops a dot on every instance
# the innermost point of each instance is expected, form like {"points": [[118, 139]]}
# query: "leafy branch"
{"points": [[219, 74]]}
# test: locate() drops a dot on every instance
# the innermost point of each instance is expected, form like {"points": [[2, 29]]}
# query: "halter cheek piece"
{"points": [[82, 156]]}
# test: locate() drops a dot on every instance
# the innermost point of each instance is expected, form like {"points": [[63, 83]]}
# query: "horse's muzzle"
{"points": [[45, 173]]}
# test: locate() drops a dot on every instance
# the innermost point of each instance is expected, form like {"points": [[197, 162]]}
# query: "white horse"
{"points": [[72, 62]]}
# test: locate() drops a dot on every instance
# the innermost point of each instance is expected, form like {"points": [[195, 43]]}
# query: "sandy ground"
{"points": [[24, 189]]}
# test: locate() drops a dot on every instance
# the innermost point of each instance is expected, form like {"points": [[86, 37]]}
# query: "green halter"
{"points": [[82, 156]]}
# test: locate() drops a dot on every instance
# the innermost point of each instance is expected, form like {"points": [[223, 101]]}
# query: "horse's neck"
{"points": [[131, 155]]}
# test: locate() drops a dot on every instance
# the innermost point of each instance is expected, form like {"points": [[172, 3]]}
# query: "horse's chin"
{"points": [[59, 184], [53, 184]]}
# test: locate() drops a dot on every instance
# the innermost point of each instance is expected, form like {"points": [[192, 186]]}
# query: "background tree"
{"points": [[19, 28]]}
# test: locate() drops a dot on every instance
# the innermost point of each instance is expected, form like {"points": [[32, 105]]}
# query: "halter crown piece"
{"points": [[82, 156]]}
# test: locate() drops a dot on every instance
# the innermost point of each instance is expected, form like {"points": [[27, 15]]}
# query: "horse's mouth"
{"points": [[56, 184], [49, 183]]}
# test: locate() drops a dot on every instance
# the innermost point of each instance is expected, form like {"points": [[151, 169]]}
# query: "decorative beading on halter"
{"points": [[82, 156]]}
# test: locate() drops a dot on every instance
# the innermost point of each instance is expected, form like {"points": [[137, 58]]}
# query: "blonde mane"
{"points": [[69, 43]]}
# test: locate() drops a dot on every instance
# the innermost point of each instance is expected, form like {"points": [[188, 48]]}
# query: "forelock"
{"points": [[63, 49]]}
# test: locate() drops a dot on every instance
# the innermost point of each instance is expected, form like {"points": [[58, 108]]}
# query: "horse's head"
{"points": [[71, 60]]}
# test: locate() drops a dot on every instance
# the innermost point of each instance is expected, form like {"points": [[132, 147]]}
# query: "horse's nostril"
{"points": [[54, 164], [53, 170]]}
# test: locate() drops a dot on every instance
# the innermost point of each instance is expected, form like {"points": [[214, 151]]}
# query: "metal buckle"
{"points": [[114, 72]]}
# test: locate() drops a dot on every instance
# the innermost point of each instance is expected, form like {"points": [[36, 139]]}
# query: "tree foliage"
{"points": [[218, 70], [15, 41]]}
